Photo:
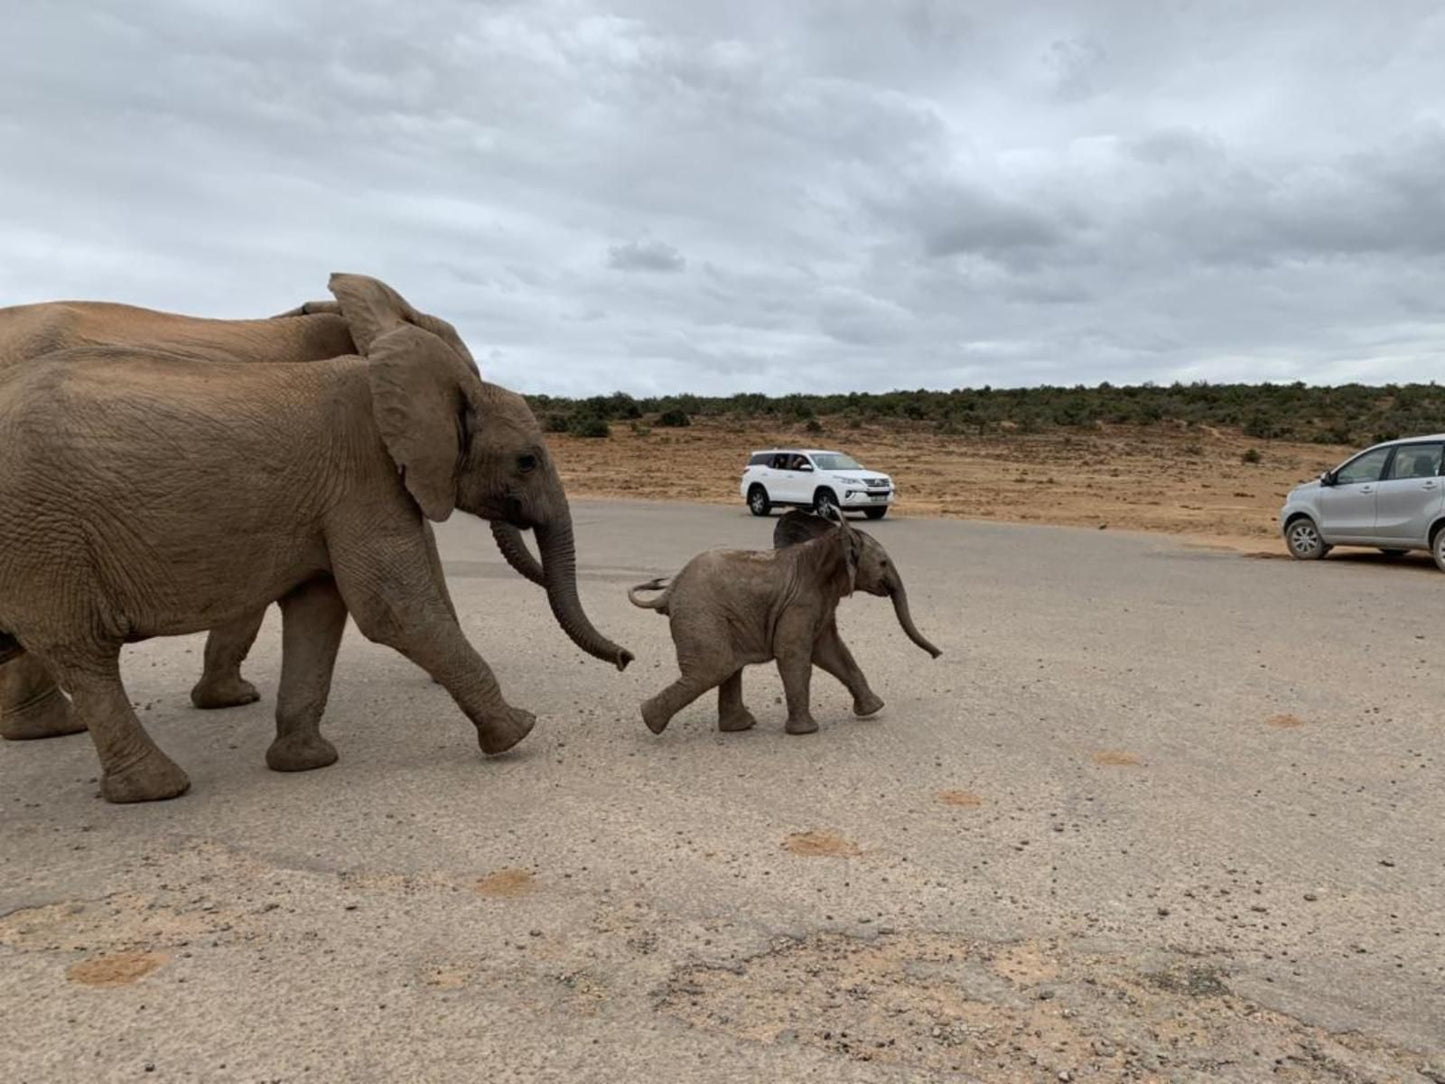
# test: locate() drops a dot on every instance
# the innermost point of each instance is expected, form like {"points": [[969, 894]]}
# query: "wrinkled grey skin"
{"points": [[730, 608], [31, 705], [152, 494]]}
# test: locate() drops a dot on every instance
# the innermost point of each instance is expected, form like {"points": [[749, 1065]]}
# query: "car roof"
{"points": [[796, 451], [1404, 440]]}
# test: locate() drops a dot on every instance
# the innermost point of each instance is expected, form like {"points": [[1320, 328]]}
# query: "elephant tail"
{"points": [[660, 602]]}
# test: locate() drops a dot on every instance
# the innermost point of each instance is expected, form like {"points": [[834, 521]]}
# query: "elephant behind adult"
{"points": [[31, 706], [153, 495]]}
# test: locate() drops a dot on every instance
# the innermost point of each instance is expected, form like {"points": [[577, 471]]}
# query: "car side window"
{"points": [[1416, 461], [780, 462], [1363, 468], [800, 462]]}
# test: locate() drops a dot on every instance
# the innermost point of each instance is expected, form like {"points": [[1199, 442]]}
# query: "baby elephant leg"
{"points": [[31, 705], [133, 769], [796, 669], [313, 617], [696, 679], [732, 714], [221, 684], [831, 654]]}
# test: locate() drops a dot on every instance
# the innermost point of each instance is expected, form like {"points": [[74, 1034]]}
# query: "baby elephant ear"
{"points": [[418, 392], [796, 526]]}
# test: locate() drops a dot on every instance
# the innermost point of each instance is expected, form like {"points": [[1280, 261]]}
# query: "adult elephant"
{"points": [[151, 494], [31, 706]]}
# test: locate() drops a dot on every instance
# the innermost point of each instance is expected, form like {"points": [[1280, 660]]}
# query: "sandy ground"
{"points": [[1160, 478], [1158, 813]]}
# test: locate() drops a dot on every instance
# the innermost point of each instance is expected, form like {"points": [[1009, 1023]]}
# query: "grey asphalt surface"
{"points": [[421, 912]]}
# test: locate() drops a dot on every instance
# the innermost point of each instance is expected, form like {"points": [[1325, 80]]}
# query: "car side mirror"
{"points": [[1328, 478], [806, 466]]}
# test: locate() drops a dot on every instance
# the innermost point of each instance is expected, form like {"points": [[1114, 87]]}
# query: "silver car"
{"points": [[1390, 497]]}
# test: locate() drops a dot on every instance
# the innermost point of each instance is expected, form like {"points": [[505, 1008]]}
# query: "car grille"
{"points": [[875, 483]]}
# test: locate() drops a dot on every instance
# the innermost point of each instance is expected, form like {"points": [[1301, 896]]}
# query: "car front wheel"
{"points": [[825, 503], [1437, 548], [1304, 541], [758, 503]]}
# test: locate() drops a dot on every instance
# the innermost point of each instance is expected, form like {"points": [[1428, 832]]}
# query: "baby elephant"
{"points": [[729, 608]]}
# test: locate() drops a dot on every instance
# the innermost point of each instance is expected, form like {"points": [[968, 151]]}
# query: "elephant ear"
{"points": [[796, 526], [418, 395], [372, 308]]}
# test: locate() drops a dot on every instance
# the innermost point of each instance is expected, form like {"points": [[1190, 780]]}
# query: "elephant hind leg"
{"points": [[313, 617], [31, 706], [221, 684], [133, 769], [732, 713], [695, 680]]}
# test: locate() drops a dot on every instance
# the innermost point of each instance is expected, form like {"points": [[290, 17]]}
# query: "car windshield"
{"points": [[837, 461]]}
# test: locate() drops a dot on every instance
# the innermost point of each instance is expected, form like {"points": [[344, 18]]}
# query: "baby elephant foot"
{"points": [[868, 704], [738, 720], [47, 716], [229, 691], [803, 724], [152, 778], [300, 753], [501, 733]]}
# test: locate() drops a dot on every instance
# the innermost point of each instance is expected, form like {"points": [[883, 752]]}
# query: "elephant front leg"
{"points": [[732, 714], [221, 684], [133, 768], [313, 617], [831, 654], [31, 705]]}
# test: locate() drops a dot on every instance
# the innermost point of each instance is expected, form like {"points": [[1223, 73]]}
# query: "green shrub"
{"points": [[1250, 456], [675, 418], [587, 425], [814, 426], [641, 430]]}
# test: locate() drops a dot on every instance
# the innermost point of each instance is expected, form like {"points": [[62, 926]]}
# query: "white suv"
{"points": [[812, 478]]}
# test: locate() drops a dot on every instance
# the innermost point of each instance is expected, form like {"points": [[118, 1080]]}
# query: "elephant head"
{"points": [[460, 443], [870, 567]]}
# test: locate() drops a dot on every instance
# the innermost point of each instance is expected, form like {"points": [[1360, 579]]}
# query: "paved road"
{"points": [[1158, 812]]}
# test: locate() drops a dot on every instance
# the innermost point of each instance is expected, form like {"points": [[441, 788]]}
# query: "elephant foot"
{"points": [[153, 778], [47, 716], [300, 753], [655, 718], [227, 691], [499, 735], [804, 724], [738, 720], [864, 706]]}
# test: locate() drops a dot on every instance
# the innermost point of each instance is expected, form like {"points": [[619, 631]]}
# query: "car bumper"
{"points": [[864, 498]]}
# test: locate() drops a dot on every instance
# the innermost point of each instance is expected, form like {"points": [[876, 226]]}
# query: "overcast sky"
{"points": [[697, 195]]}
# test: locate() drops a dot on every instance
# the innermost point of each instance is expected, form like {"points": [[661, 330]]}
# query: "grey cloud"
{"points": [[645, 256]]}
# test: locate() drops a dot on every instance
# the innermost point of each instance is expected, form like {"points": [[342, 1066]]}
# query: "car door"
{"points": [[782, 478], [1347, 508], [1409, 497], [800, 479]]}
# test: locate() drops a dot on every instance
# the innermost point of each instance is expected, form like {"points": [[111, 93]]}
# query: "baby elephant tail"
{"points": [[660, 602]]}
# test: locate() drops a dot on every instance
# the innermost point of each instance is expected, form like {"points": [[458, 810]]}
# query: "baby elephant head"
{"points": [[870, 567]]}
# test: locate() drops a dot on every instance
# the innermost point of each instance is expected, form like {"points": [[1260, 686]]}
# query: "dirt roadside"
{"points": [[1197, 482]]}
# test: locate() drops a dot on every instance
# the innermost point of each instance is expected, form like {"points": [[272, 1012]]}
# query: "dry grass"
{"points": [[1158, 478]]}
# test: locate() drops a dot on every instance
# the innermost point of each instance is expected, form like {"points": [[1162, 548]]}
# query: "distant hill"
{"points": [[1347, 414]]}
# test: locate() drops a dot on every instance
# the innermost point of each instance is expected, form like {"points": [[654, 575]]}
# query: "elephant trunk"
{"points": [[559, 561], [899, 596], [514, 549]]}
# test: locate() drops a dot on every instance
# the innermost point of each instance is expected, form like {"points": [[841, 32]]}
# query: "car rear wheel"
{"points": [[1304, 541], [758, 503], [875, 513], [825, 503]]}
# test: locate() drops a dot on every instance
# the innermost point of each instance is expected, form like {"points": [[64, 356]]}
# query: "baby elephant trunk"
{"points": [[899, 595]]}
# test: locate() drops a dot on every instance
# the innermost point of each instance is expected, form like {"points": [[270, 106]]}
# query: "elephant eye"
{"points": [[526, 463]]}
